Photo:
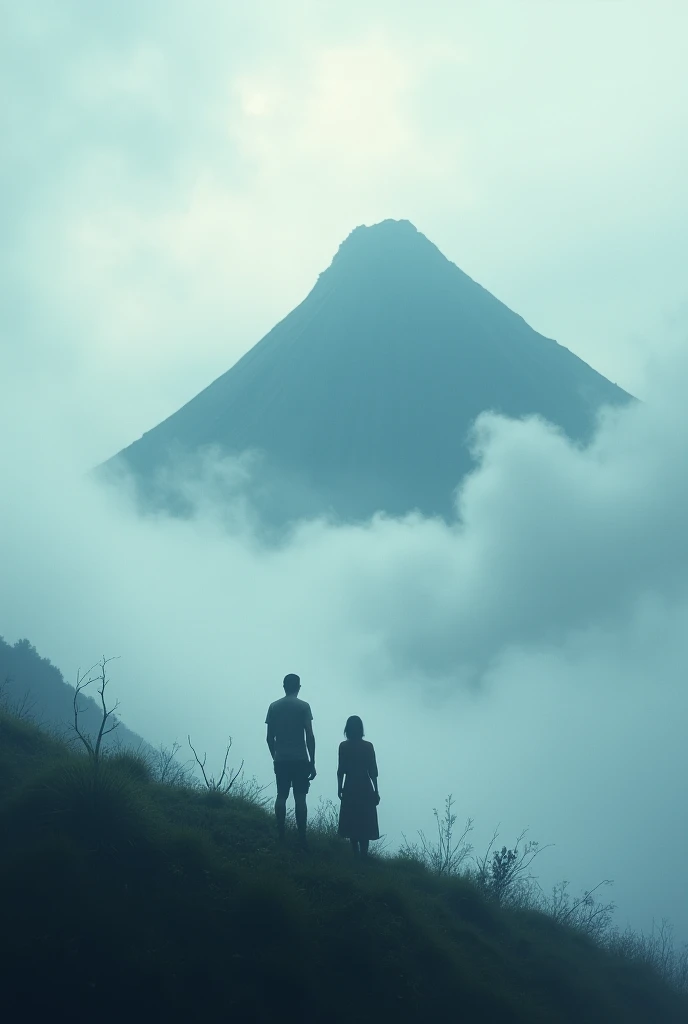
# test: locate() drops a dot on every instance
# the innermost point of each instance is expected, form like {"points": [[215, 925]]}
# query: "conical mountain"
{"points": [[362, 398]]}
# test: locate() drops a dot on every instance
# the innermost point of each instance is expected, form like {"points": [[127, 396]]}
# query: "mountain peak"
{"points": [[391, 243], [389, 228], [363, 397]]}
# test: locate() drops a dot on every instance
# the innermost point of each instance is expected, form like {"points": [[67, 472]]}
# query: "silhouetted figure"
{"points": [[357, 788], [292, 745]]}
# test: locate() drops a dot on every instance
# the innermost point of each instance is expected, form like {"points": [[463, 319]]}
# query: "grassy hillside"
{"points": [[124, 898]]}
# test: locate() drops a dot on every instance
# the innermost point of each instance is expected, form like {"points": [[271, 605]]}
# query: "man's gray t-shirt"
{"points": [[287, 719]]}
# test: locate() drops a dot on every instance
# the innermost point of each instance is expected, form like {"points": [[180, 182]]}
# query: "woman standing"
{"points": [[357, 788]]}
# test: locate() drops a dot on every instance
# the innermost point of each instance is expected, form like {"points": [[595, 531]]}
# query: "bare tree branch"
{"points": [[585, 900], [502, 874], [445, 855], [84, 680], [166, 768], [227, 777]]}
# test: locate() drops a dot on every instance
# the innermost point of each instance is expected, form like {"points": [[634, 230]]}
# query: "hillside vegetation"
{"points": [[128, 898], [31, 684]]}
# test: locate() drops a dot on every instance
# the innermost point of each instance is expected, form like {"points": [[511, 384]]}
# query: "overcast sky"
{"points": [[174, 177], [176, 174]]}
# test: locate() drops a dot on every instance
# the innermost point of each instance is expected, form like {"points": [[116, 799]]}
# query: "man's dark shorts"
{"points": [[292, 775]]}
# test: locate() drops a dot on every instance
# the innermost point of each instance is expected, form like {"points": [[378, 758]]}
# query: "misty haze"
{"points": [[340, 346]]}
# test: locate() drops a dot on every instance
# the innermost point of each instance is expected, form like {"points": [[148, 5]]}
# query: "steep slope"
{"points": [[362, 398]]}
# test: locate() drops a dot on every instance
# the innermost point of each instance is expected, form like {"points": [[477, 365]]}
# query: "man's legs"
{"points": [[354, 846], [283, 782], [280, 814], [301, 779], [301, 814], [288, 776], [364, 844]]}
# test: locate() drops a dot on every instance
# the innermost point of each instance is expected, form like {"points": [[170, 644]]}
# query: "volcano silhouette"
{"points": [[362, 398]]}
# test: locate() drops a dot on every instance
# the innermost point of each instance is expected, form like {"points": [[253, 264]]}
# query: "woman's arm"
{"points": [[340, 774], [372, 771]]}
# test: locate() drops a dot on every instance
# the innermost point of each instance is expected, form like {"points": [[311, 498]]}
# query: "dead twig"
{"points": [[95, 674], [227, 778]]}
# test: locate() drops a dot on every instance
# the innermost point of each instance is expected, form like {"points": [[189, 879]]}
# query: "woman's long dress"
{"points": [[358, 810]]}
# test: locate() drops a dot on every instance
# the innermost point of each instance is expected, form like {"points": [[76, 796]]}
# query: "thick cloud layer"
{"points": [[529, 658]]}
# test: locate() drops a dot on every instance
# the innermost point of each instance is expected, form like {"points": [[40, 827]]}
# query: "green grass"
{"points": [[124, 899]]}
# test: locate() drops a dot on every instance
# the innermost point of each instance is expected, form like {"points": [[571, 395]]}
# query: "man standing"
{"points": [[292, 745]]}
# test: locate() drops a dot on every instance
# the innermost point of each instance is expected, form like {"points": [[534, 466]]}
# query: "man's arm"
{"points": [[310, 744], [271, 742]]}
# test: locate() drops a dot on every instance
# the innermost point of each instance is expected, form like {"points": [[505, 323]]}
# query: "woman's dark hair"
{"points": [[353, 730]]}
